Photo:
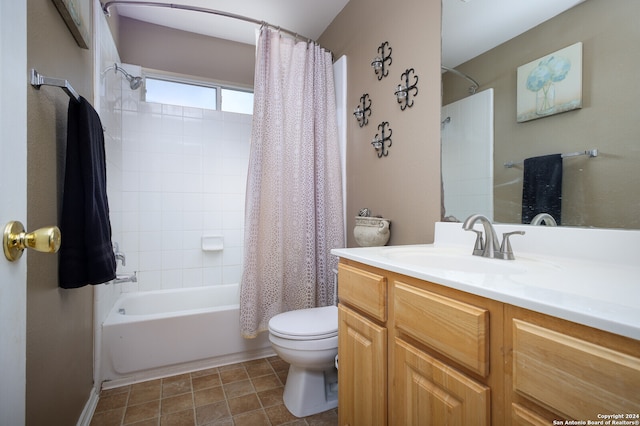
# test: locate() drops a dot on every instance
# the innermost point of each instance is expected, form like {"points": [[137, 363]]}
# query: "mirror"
{"points": [[597, 192]]}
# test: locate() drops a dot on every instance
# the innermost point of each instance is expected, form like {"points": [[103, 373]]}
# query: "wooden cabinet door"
{"points": [[362, 370], [428, 392]]}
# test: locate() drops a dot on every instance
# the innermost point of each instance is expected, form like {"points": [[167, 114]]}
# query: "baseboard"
{"points": [[89, 408]]}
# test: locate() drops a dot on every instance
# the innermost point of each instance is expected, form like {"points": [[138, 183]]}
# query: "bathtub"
{"points": [[157, 333]]}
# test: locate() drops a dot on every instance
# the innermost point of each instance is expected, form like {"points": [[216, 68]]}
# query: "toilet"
{"points": [[307, 339]]}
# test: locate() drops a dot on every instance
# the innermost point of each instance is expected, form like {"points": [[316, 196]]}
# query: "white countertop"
{"points": [[586, 276]]}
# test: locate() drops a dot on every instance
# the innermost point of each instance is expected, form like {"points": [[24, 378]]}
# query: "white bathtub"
{"points": [[157, 333]]}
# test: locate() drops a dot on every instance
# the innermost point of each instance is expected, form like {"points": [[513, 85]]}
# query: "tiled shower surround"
{"points": [[183, 176]]}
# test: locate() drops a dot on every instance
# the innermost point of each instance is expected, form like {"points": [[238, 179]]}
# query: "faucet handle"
{"points": [[478, 247], [506, 252]]}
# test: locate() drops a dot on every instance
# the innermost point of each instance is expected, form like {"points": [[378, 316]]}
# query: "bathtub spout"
{"points": [[126, 278]]}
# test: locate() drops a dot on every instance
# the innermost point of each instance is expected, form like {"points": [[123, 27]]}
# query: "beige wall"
{"points": [[404, 186], [601, 192], [59, 322], [161, 48]]}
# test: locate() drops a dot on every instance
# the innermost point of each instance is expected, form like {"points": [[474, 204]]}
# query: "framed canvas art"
{"points": [[550, 85], [77, 16]]}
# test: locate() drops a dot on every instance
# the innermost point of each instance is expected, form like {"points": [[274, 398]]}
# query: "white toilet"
{"points": [[308, 340]]}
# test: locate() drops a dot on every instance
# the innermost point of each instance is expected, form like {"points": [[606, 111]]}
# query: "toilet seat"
{"points": [[306, 324]]}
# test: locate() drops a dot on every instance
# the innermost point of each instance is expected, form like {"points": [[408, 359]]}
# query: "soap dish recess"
{"points": [[212, 243]]}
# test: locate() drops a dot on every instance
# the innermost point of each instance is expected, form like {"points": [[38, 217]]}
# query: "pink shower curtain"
{"points": [[294, 192]]}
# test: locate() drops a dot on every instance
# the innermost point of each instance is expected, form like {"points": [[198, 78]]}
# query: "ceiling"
{"points": [[470, 27]]}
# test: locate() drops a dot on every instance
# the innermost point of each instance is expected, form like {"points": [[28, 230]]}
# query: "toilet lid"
{"points": [[306, 324]]}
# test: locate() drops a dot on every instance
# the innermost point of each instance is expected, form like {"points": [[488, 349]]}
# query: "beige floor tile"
{"points": [[208, 396], [258, 368], [327, 418], [108, 418], [179, 418], [176, 385], [208, 413], [236, 389], [144, 411], [206, 381], [112, 401], [176, 403], [253, 418], [244, 404], [271, 397], [148, 422], [144, 392], [278, 415], [269, 381], [204, 372], [235, 375]]}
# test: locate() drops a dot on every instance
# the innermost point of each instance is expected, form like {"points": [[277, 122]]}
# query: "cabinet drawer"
{"points": [[363, 290], [573, 377], [456, 329]]}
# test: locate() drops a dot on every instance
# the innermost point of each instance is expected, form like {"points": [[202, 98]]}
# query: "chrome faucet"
{"points": [[489, 246], [118, 254], [544, 217], [126, 278]]}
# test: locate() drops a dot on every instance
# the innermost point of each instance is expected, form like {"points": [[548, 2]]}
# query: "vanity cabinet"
{"points": [[413, 352], [561, 370]]}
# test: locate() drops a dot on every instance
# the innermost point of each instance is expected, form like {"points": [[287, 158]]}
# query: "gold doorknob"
{"points": [[15, 240]]}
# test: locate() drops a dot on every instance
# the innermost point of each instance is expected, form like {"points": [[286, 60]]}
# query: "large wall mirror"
{"points": [[601, 192]]}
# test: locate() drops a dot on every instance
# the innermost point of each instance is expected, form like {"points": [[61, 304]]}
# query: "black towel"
{"points": [[542, 187], [86, 252]]}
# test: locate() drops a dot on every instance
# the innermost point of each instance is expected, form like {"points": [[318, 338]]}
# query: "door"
{"points": [[13, 206], [362, 370], [429, 392]]}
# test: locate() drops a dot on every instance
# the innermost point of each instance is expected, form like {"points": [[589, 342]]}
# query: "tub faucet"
{"points": [[126, 278], [489, 246], [544, 217]]}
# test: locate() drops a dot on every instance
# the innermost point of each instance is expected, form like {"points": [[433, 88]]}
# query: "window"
{"points": [[190, 93], [237, 101]]}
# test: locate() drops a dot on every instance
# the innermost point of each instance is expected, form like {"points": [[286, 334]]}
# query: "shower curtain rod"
{"points": [[106, 5], [475, 84]]}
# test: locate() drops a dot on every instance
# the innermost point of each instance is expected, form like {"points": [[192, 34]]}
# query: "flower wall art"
{"points": [[551, 84]]}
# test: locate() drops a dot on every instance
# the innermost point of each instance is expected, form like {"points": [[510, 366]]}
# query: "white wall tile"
{"points": [[212, 276], [150, 280], [171, 278], [150, 260], [192, 277], [185, 175]]}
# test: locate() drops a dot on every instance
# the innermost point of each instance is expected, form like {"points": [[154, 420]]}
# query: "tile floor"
{"points": [[248, 393]]}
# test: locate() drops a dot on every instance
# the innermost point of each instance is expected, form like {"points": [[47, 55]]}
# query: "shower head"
{"points": [[134, 82]]}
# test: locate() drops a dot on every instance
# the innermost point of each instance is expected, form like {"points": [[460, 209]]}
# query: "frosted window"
{"points": [[183, 94], [237, 101]]}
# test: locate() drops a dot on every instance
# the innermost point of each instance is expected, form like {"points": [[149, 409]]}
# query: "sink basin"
{"points": [[452, 259]]}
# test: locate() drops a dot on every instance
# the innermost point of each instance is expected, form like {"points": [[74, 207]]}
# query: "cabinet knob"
{"points": [[15, 240]]}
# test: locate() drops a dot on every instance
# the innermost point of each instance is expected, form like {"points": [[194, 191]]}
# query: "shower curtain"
{"points": [[294, 213]]}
